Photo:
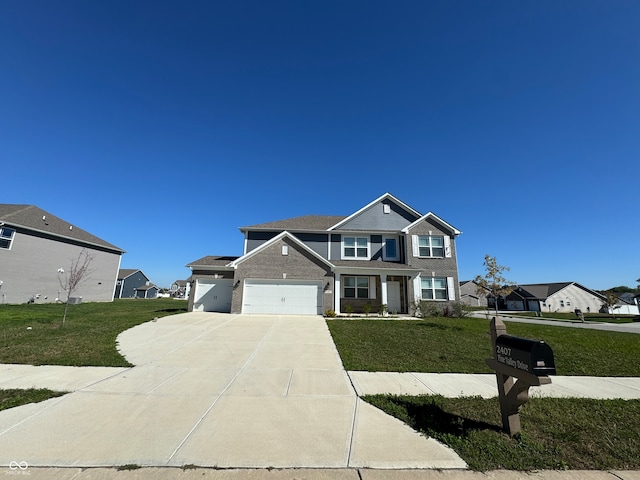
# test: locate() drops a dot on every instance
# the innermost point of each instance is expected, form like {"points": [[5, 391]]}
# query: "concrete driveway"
{"points": [[219, 390]]}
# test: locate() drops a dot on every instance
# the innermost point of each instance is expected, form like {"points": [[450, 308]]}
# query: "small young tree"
{"points": [[493, 281], [610, 302], [70, 280]]}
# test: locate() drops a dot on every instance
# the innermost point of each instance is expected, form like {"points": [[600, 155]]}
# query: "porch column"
{"points": [[336, 293], [383, 281]]}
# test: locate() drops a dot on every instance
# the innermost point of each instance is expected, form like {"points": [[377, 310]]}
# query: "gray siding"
{"points": [[271, 264], [255, 239], [31, 267], [130, 284], [318, 242], [336, 246], [373, 219]]}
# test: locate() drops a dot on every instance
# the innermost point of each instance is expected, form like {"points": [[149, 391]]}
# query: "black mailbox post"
{"points": [[532, 356], [519, 363]]}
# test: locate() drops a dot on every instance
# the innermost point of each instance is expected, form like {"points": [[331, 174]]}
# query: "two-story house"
{"points": [[386, 253]]}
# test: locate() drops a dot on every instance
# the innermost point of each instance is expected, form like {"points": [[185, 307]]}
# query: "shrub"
{"points": [[366, 308], [330, 313]]}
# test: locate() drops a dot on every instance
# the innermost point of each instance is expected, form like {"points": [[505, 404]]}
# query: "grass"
{"points": [[461, 346], [589, 317], [32, 334], [16, 397], [577, 434]]}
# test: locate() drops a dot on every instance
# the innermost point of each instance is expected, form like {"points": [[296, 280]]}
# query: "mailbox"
{"points": [[532, 356]]}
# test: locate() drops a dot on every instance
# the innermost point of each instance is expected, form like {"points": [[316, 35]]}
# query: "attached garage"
{"points": [[287, 297], [213, 295]]}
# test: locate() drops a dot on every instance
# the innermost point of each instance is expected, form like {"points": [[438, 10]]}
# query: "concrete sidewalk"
{"points": [[484, 385], [213, 390], [315, 474]]}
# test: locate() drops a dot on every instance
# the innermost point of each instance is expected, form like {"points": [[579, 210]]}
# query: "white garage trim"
{"points": [[285, 297], [213, 295]]}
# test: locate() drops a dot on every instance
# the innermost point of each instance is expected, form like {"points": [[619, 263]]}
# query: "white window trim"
{"points": [[384, 249], [342, 255], [446, 246], [10, 239], [450, 289], [371, 287]]}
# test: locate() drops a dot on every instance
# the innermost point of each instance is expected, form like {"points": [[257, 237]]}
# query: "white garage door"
{"points": [[282, 296], [213, 295]]}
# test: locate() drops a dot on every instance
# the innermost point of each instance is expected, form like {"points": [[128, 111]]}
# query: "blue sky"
{"points": [[163, 126]]}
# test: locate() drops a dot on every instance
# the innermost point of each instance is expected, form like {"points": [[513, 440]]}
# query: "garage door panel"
{"points": [[213, 295], [280, 297]]}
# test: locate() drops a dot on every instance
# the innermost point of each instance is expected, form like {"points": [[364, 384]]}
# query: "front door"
{"points": [[393, 297]]}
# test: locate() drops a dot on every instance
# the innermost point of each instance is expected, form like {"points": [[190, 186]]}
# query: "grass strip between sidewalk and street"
{"points": [[557, 433], [447, 345]]}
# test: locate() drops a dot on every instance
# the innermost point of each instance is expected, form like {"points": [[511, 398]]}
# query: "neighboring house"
{"points": [[35, 244], [128, 280], [386, 253], [626, 305], [180, 288], [470, 294], [554, 297], [147, 291]]}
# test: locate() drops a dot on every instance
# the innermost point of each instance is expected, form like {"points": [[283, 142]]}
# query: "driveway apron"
{"points": [[219, 390]]}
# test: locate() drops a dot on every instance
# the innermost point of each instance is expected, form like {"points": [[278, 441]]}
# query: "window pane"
{"points": [[441, 294], [437, 241], [440, 282], [390, 246], [423, 241], [426, 283], [349, 241], [362, 252], [363, 293], [6, 232], [438, 252], [349, 292], [427, 294], [363, 282], [4, 243], [349, 281], [424, 252], [350, 252], [362, 241]]}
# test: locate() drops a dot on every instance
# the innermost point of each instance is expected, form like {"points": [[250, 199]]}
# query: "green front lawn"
{"points": [[557, 433], [462, 345], [33, 334], [16, 397], [588, 317]]}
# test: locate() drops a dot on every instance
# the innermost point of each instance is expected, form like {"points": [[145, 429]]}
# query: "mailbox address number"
{"points": [[503, 355]]}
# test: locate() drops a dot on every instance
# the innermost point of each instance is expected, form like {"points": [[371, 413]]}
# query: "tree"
{"points": [[493, 281], [71, 279], [610, 302]]}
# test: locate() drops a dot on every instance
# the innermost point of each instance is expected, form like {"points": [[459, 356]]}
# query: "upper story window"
{"points": [[430, 246], [355, 247], [390, 249], [434, 288], [6, 237]]}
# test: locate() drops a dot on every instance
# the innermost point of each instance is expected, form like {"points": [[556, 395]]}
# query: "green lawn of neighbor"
{"points": [[33, 334]]}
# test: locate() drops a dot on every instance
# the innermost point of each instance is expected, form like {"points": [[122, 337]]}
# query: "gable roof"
{"points": [[448, 226], [545, 290], [212, 261], [296, 224], [35, 219], [386, 196], [127, 272], [275, 239]]}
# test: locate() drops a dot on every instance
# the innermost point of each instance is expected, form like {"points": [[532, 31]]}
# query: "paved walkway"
{"points": [[212, 390]]}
